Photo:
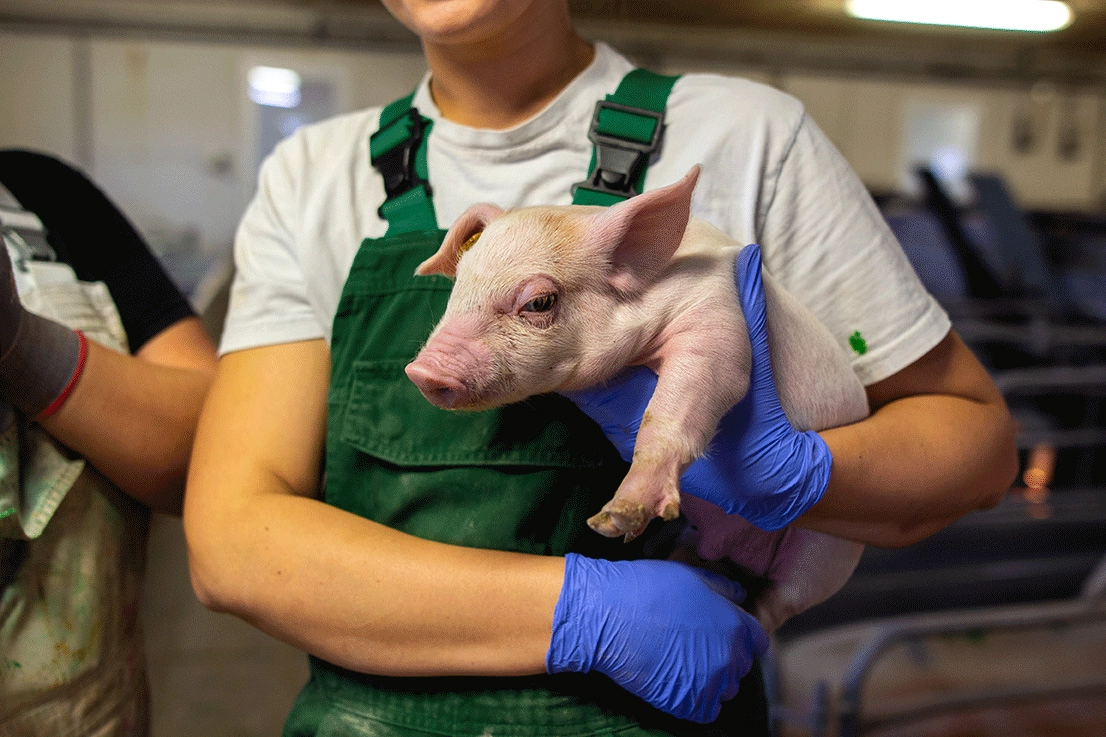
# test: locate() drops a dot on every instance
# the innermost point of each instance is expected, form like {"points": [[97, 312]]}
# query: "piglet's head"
{"points": [[537, 295]]}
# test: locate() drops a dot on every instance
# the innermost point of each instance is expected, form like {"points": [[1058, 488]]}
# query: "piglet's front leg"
{"points": [[651, 487], [690, 399]]}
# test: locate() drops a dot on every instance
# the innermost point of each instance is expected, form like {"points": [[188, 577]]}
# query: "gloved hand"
{"points": [[668, 633], [758, 466], [39, 358]]}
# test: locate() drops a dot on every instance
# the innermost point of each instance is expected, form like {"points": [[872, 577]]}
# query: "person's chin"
{"points": [[458, 22]]}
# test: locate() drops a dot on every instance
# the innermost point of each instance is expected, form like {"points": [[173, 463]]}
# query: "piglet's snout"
{"points": [[450, 370], [441, 390]]}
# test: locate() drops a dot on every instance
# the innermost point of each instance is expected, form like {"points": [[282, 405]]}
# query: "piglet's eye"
{"points": [[543, 303]]}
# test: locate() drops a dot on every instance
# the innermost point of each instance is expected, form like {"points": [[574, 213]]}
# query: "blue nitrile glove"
{"points": [[758, 465], [668, 633]]}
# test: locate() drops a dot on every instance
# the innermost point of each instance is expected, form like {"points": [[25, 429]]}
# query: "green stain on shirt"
{"points": [[859, 345]]}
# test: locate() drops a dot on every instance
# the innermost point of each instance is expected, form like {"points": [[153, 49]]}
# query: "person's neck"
{"points": [[501, 83]]}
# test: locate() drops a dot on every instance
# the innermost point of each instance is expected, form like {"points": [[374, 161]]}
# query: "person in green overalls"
{"points": [[437, 566]]}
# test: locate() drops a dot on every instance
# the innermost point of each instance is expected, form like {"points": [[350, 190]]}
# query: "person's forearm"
{"points": [[261, 546], [134, 421], [372, 599], [920, 461], [907, 471]]}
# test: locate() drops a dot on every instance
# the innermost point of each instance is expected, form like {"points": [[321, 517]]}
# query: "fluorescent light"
{"points": [[1004, 15], [274, 86]]}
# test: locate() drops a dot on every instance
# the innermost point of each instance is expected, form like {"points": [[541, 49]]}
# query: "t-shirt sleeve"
{"points": [[88, 232], [824, 239], [268, 299]]}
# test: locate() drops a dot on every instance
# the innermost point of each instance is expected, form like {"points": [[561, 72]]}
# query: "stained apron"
{"points": [[72, 556]]}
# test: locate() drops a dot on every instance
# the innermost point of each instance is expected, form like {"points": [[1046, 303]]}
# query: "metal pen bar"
{"points": [[1022, 618]]}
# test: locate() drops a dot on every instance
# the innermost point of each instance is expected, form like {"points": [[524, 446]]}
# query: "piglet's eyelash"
{"points": [[544, 303]]}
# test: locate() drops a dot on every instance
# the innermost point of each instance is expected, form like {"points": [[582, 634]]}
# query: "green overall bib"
{"points": [[521, 478]]}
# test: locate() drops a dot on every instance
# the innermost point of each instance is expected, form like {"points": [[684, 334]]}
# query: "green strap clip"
{"points": [[398, 151], [626, 129]]}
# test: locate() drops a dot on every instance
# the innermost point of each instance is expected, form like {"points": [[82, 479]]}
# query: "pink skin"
{"points": [[802, 567], [674, 431], [456, 369], [492, 346], [563, 298], [452, 354]]}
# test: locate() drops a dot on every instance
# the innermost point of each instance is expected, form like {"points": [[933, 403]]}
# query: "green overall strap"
{"points": [[398, 151], [626, 130]]}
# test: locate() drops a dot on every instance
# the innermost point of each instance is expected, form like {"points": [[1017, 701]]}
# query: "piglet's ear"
{"points": [[639, 236], [458, 240]]}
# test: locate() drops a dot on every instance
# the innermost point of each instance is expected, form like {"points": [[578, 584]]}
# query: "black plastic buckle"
{"points": [[618, 160], [24, 233], [397, 164]]}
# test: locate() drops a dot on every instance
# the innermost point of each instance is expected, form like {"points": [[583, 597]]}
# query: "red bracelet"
{"points": [[57, 403]]}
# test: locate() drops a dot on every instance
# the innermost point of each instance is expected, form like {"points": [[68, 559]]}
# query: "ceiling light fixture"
{"points": [[1038, 16], [274, 86]]}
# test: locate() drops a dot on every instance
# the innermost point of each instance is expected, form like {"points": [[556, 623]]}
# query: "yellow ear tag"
{"points": [[468, 244]]}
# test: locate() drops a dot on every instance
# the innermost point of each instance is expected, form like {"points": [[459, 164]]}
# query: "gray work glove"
{"points": [[39, 358]]}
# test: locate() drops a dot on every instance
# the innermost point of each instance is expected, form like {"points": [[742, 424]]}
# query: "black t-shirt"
{"points": [[90, 234]]}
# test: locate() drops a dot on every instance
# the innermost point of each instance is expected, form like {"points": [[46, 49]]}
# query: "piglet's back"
{"points": [[818, 387]]}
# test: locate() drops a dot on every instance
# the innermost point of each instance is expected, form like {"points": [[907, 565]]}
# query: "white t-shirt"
{"points": [[769, 176]]}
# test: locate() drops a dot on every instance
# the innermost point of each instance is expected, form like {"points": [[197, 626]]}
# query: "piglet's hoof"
{"points": [[620, 517], [627, 518]]}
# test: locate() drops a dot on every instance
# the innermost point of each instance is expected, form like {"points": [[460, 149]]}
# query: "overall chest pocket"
{"points": [[387, 417], [523, 477]]}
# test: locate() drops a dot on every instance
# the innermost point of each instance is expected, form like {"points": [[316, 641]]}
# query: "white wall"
{"points": [[161, 114], [170, 131], [165, 128], [866, 120], [36, 94]]}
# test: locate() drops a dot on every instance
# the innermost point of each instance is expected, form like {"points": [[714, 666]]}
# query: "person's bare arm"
{"points": [[356, 593], [134, 417], [939, 444]]}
